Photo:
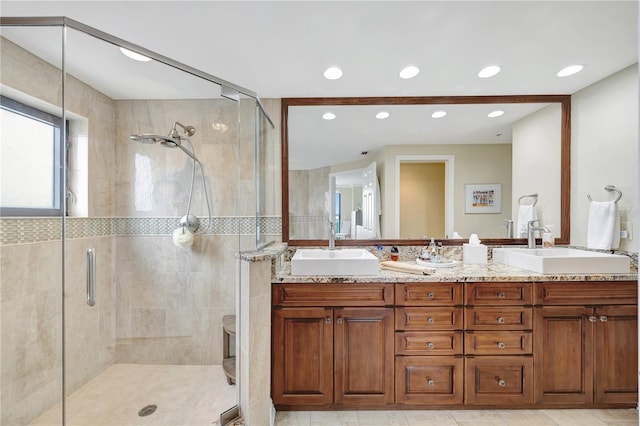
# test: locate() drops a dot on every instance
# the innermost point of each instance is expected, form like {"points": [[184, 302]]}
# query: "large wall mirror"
{"points": [[408, 169]]}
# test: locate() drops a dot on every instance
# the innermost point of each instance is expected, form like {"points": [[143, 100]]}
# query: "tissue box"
{"points": [[474, 253]]}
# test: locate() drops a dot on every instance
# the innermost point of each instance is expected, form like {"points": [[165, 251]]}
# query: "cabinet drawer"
{"points": [[332, 294], [429, 380], [587, 293], [429, 294], [498, 343], [498, 318], [429, 318], [429, 343], [499, 380], [499, 294]]}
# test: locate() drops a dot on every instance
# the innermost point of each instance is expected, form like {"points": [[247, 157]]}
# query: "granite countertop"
{"points": [[461, 272]]}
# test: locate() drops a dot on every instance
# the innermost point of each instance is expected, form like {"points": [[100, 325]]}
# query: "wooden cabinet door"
{"points": [[302, 371], [616, 353], [563, 353], [364, 356]]}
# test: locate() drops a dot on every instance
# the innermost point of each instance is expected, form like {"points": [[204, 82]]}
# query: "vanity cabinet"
{"points": [[586, 350], [446, 344], [498, 343], [332, 353], [429, 343]]}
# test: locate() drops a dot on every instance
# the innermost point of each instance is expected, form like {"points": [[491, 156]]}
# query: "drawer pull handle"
{"points": [[430, 295], [501, 295], [593, 319], [430, 320], [339, 320], [327, 320], [501, 345], [431, 382], [501, 383], [603, 318], [431, 345], [500, 320]]}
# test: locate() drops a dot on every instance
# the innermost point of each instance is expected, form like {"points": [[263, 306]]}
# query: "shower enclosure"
{"points": [[93, 288]]}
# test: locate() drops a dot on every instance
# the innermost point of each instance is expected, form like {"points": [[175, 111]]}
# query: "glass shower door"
{"points": [[31, 225]]}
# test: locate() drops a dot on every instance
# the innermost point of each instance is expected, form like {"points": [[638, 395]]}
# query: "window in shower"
{"points": [[31, 159]]}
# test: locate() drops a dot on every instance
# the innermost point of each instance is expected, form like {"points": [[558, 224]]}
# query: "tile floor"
{"points": [[194, 395], [627, 417], [186, 395]]}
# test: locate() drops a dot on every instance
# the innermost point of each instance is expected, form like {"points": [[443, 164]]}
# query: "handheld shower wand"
{"points": [[174, 140]]}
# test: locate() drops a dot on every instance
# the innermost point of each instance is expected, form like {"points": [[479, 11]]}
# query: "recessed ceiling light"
{"points": [[135, 56], [439, 114], [409, 72], [328, 116], [489, 71], [332, 73], [570, 70], [494, 114], [382, 115]]}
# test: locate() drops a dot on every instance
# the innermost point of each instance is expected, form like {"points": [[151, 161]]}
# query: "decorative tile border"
{"points": [[32, 230], [307, 219]]}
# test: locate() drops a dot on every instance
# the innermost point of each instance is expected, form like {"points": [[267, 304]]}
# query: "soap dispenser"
{"points": [[433, 251]]}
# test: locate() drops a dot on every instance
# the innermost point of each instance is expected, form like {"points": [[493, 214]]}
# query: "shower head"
{"points": [[150, 138], [166, 141]]}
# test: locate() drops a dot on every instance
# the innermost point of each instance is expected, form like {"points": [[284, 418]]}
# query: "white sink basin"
{"points": [[334, 262], [559, 260]]}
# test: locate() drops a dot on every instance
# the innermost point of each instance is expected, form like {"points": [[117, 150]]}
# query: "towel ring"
{"points": [[534, 196], [610, 188]]}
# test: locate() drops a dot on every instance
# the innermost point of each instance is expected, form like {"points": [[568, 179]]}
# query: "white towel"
{"points": [[603, 229], [526, 213]]}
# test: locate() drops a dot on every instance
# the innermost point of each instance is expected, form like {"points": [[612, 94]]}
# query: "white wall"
{"points": [[604, 150], [536, 164]]}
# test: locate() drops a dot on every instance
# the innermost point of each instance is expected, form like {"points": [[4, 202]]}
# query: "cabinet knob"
{"points": [[500, 295], [430, 295], [603, 318], [500, 320], [501, 345], [430, 320], [339, 320], [501, 383], [327, 320], [431, 382], [431, 345], [593, 319]]}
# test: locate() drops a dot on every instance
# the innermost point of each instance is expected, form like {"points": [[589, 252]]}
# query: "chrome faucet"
{"points": [[332, 235], [531, 233]]}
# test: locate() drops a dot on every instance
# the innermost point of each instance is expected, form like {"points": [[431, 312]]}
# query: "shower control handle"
{"points": [[91, 276]]}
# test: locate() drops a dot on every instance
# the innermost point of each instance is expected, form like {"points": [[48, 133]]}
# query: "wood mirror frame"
{"points": [[565, 159]]}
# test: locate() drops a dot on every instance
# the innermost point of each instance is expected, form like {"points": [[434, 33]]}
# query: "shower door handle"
{"points": [[91, 276]]}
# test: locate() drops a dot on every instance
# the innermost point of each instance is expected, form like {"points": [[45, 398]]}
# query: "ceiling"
{"points": [[280, 49]]}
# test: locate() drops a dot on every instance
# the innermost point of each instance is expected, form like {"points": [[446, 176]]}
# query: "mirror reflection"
{"points": [[444, 167]]}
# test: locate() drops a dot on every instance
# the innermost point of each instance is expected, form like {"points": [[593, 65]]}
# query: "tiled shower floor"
{"points": [[192, 395]]}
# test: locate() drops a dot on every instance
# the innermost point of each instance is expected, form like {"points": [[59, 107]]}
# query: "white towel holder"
{"points": [[534, 196], [610, 188]]}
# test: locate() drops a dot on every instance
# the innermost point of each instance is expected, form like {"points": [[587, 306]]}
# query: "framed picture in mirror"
{"points": [[483, 198]]}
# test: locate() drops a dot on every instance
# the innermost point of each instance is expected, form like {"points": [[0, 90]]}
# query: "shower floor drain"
{"points": [[147, 410]]}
